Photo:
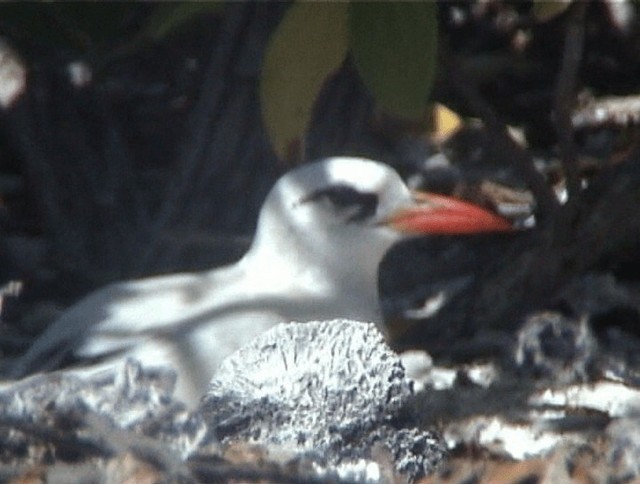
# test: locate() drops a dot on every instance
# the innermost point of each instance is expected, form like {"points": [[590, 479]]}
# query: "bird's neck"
{"points": [[341, 288]]}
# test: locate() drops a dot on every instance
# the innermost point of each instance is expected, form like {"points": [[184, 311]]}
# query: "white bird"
{"points": [[322, 232]]}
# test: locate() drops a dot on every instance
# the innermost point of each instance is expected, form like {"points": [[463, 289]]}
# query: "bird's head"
{"points": [[333, 208], [350, 211]]}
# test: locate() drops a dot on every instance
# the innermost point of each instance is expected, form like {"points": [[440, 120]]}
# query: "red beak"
{"points": [[439, 214]]}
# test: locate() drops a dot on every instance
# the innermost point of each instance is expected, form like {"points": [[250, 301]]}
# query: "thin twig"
{"points": [[614, 111], [565, 96]]}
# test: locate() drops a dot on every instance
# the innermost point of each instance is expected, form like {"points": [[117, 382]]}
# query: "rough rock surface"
{"points": [[312, 402], [73, 418], [331, 388], [563, 408]]}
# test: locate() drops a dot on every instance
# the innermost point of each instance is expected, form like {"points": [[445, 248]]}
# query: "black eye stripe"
{"points": [[360, 205]]}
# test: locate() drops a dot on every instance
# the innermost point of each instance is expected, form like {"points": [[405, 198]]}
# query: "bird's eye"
{"points": [[354, 204]]}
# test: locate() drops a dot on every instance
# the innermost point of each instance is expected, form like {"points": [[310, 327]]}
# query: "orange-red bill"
{"points": [[439, 214]]}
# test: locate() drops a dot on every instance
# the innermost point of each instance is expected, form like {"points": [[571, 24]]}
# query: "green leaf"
{"points": [[168, 17], [544, 10], [308, 46], [394, 46]]}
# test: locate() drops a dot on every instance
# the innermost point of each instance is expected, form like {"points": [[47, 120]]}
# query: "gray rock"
{"points": [[553, 346], [624, 451], [91, 409], [332, 389]]}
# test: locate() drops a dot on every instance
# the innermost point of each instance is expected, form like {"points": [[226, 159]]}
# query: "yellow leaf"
{"points": [[308, 46], [445, 122]]}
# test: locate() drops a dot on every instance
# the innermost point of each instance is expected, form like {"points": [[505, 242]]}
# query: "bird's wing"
{"points": [[131, 310]]}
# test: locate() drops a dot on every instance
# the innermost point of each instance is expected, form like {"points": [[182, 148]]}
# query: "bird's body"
{"points": [[322, 232]]}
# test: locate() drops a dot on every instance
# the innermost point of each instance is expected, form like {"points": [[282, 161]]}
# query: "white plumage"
{"points": [[322, 232]]}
